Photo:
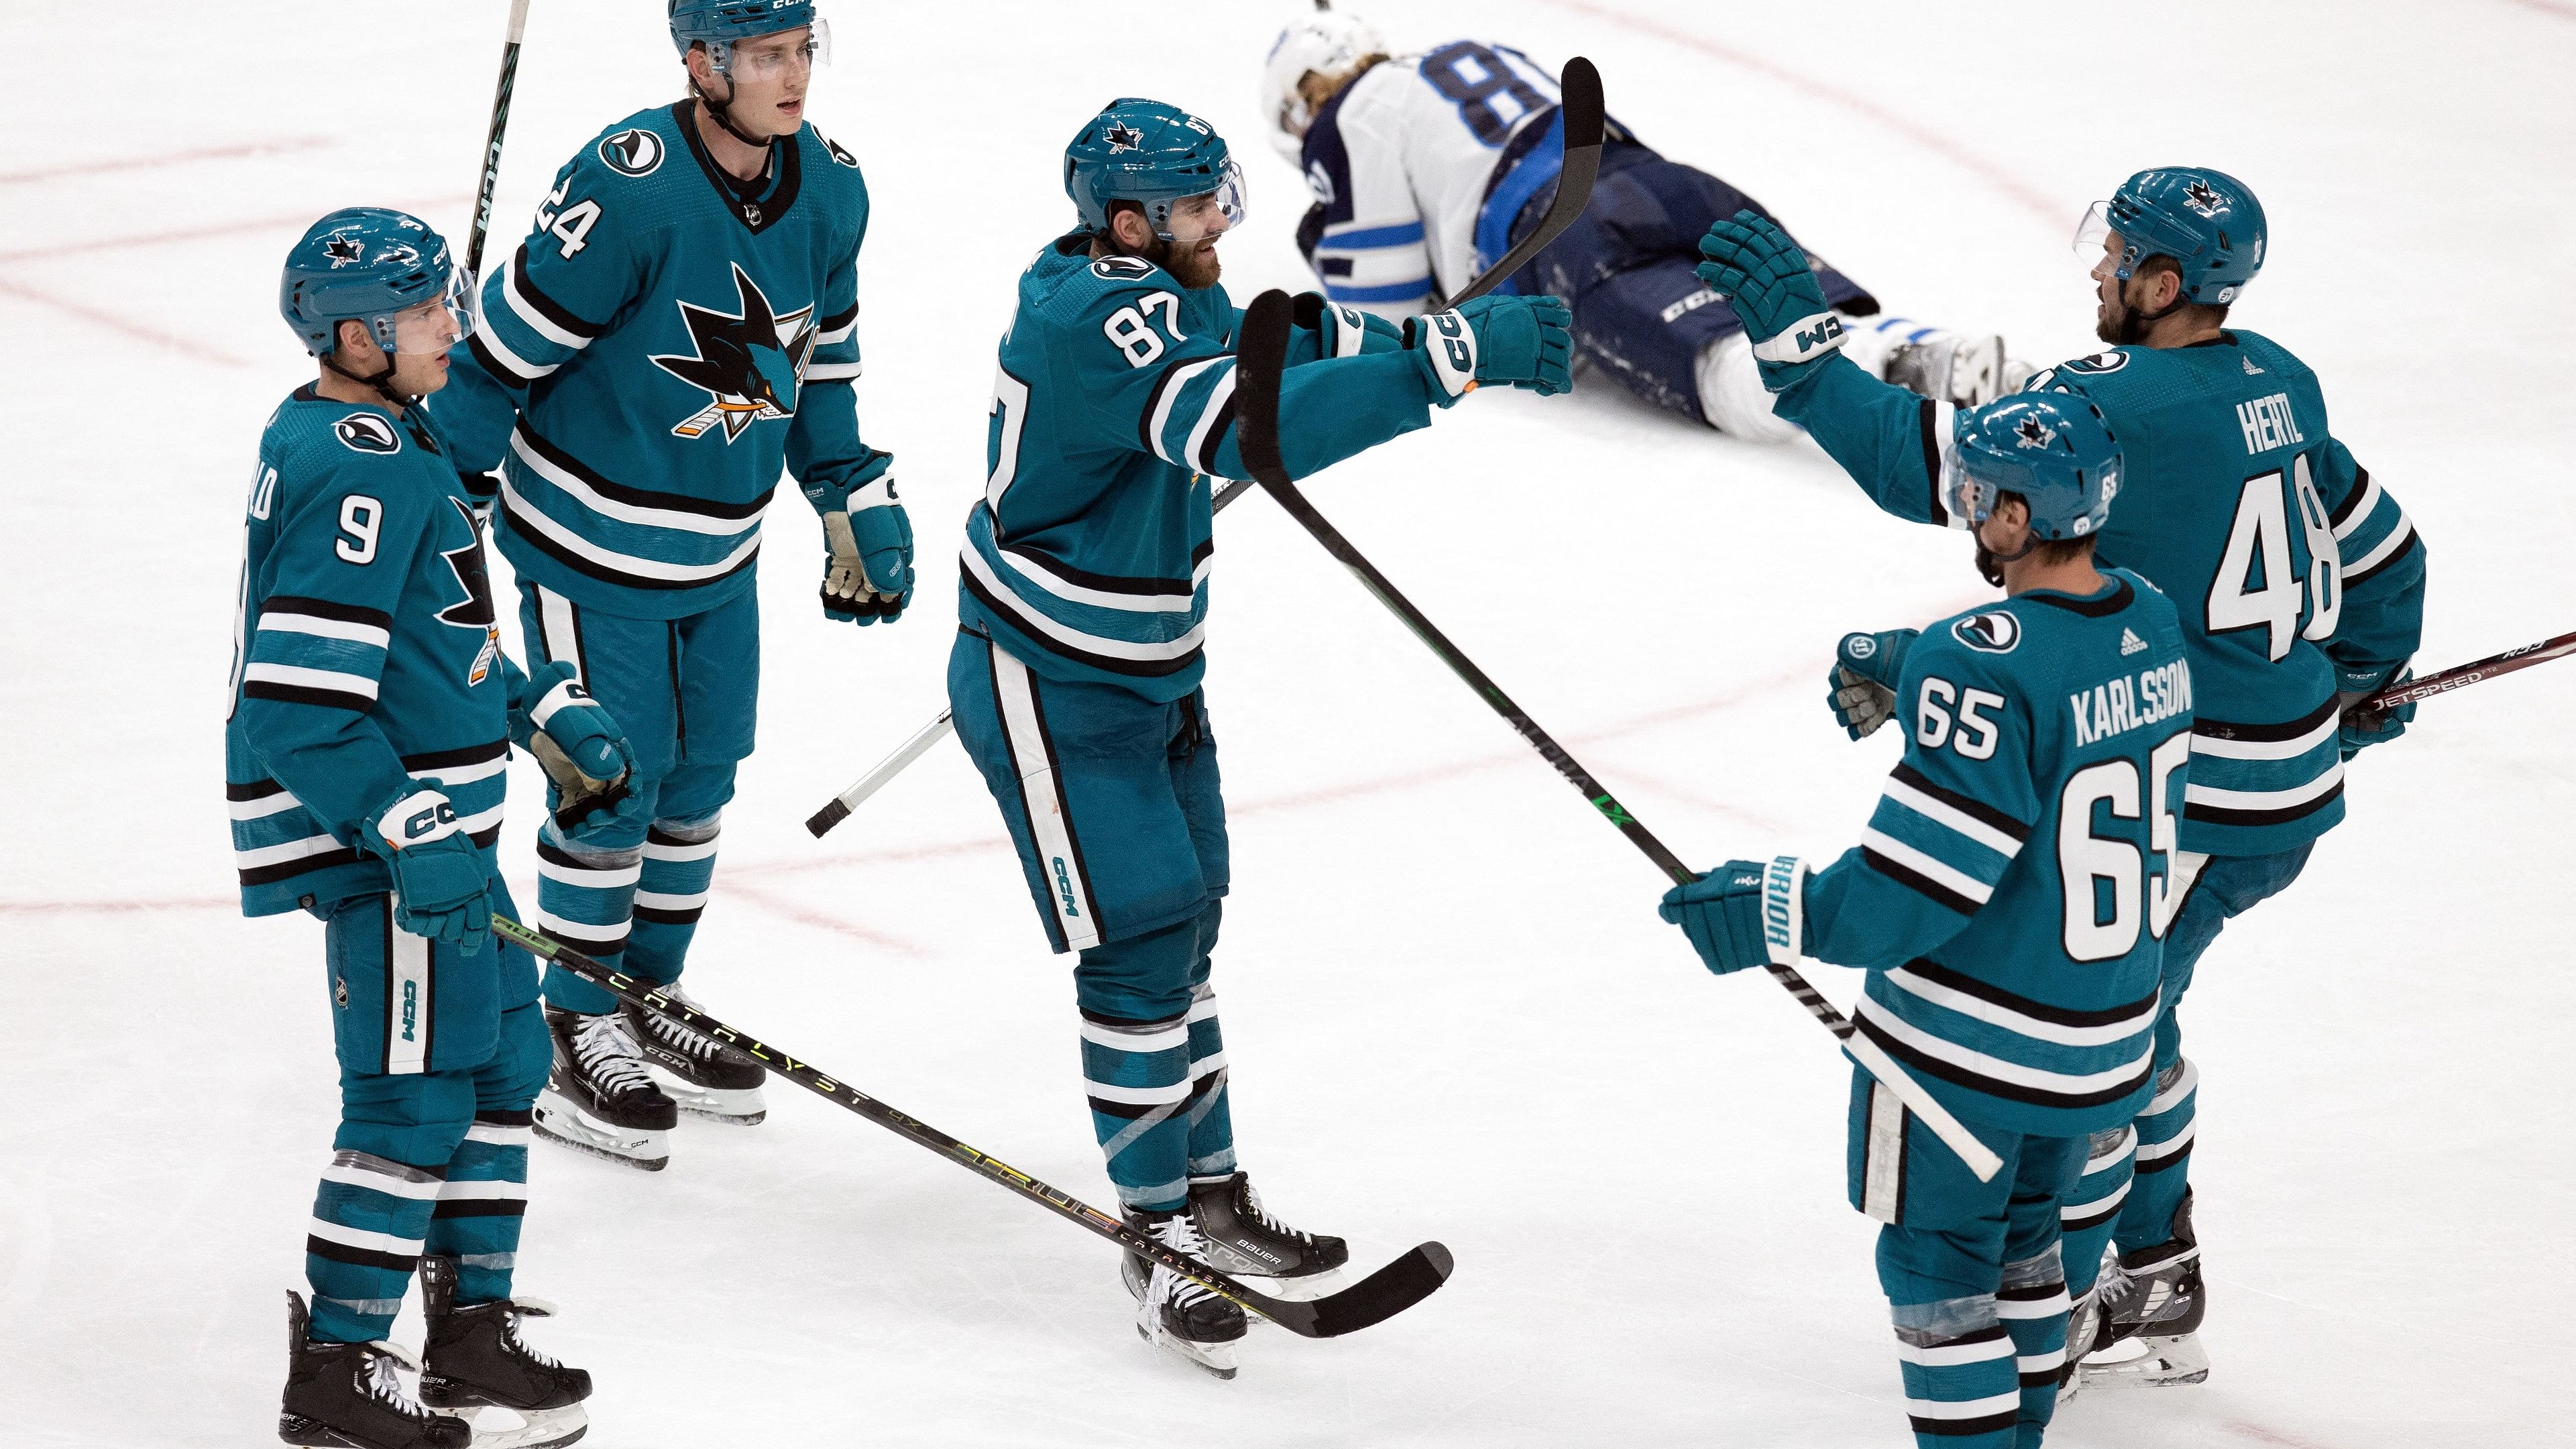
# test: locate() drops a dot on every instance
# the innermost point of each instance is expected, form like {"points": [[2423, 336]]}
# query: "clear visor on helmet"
{"points": [[2095, 230], [1210, 211], [431, 326], [1970, 500], [774, 57]]}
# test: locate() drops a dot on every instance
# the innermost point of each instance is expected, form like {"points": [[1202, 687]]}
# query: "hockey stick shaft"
{"points": [[1581, 88], [2478, 672], [1264, 356], [1389, 1291], [492, 140]]}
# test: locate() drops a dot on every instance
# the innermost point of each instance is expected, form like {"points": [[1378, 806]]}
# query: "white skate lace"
{"points": [[1181, 1235], [1252, 1200], [510, 1337], [381, 1384], [607, 1053], [694, 1043]]}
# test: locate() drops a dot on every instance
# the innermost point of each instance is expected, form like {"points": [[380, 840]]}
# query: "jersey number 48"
{"points": [[2258, 584]]}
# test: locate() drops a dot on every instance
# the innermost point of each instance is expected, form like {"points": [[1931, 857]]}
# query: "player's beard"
{"points": [[1191, 266], [2121, 324]]}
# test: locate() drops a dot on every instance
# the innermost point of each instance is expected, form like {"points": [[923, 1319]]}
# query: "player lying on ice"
{"points": [[2300, 585], [2008, 900], [365, 760], [1082, 608], [1428, 166]]}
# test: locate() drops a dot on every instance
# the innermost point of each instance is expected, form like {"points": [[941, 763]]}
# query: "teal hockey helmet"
{"points": [[2207, 221], [372, 264], [717, 24], [1152, 154], [2053, 450]]}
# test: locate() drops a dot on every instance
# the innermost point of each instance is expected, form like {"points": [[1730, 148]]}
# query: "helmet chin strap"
{"points": [[381, 381], [724, 117], [1990, 564]]}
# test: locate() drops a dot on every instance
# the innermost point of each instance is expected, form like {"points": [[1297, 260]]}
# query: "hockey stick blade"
{"points": [[1374, 1299], [1581, 87]]}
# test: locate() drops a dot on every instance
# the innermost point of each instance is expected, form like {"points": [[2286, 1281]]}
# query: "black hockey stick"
{"points": [[492, 141], [1374, 1299], [1582, 106], [2464, 675], [1262, 357]]}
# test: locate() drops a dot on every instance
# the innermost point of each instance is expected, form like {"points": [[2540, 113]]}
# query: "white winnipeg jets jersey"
{"points": [[1401, 163]]}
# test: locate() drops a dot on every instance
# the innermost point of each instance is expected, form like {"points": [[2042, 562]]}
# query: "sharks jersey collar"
{"points": [[410, 420], [2108, 601], [756, 213]]}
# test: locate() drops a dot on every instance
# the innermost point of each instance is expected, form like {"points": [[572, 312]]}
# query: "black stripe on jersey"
{"points": [[1974, 1081], [469, 755], [587, 945], [302, 694], [485, 839], [602, 572], [1216, 431], [2413, 539], [1933, 891], [1154, 402], [509, 376], [2352, 500], [326, 609], [1106, 583], [656, 835], [2101, 608], [1010, 611], [839, 320], [1960, 1428], [2223, 815], [2159, 1164], [2092, 1217], [360, 1257], [660, 917], [1928, 415], [2219, 729], [557, 855], [1968, 805], [1205, 550], [252, 789], [643, 497], [290, 869], [1129, 1111], [2037, 1010], [546, 307], [480, 1207]]}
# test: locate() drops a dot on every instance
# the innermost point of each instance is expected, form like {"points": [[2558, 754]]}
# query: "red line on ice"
{"points": [[2040, 205], [184, 346], [169, 158], [296, 222]]}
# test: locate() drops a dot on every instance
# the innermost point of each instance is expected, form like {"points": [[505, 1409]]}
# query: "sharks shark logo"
{"points": [[2200, 198], [750, 363], [2032, 433], [474, 611], [635, 151], [1120, 138]]}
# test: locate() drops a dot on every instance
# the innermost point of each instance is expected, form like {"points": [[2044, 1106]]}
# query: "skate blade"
{"points": [[2158, 1363], [1212, 1358], [732, 1106], [536, 1429], [558, 1120]]}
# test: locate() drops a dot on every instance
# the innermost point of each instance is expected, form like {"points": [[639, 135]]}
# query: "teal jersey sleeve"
{"points": [[824, 451], [2383, 559], [1950, 820], [1889, 440], [347, 541]]}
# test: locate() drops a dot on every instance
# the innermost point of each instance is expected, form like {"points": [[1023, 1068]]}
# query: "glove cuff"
{"points": [[416, 817], [1806, 340], [565, 693], [1784, 909], [1448, 345], [879, 493]]}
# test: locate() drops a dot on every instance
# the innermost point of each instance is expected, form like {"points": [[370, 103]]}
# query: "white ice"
{"points": [[1451, 1011]]}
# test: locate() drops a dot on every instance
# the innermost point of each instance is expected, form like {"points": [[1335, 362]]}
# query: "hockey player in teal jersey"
{"points": [[1083, 607], [372, 717], [2008, 901], [2299, 582], [679, 325]]}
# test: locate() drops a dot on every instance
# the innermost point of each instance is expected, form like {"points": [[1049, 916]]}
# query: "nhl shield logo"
{"points": [[750, 363], [636, 151], [1992, 632], [366, 433]]}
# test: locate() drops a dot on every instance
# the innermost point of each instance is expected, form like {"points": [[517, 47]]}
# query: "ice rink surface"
{"points": [[1451, 1011]]}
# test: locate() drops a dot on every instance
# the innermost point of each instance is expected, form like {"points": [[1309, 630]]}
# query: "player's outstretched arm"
{"points": [[1330, 329], [2381, 618]]}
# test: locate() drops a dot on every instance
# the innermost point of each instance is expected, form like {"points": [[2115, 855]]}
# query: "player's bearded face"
{"points": [[1190, 256]]}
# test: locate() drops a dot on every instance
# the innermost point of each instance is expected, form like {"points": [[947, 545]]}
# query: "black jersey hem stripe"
{"points": [[2219, 729], [1105, 583], [2352, 500], [301, 694], [1006, 613], [1933, 891], [325, 609], [1961, 1428], [1968, 805], [2101, 608], [547, 307], [480, 1207], [644, 497], [360, 1257], [602, 572], [2036, 1010], [1959, 1076], [467, 755], [839, 320], [1216, 432], [252, 789], [2395, 555], [493, 364], [2224, 815], [301, 865], [1929, 415]]}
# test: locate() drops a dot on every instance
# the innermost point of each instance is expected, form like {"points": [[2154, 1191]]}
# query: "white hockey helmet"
{"points": [[1328, 42]]}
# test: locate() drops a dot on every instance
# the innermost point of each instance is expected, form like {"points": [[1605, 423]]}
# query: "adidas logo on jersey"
{"points": [[2130, 643]]}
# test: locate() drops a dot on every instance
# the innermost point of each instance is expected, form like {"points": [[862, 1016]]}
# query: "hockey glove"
{"points": [[1754, 265], [2363, 728], [581, 749], [441, 887], [1343, 331], [1525, 341], [1722, 912], [867, 562], [1861, 686]]}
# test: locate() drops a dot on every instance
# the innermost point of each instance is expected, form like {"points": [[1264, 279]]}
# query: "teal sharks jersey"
{"points": [[666, 339], [1113, 405], [366, 660], [2284, 559], [2010, 896]]}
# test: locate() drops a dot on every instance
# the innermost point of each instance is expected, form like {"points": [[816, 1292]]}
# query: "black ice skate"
{"points": [[715, 1082], [345, 1395], [475, 1360], [1171, 1311], [2152, 1301], [1946, 367], [599, 1097], [1244, 1239]]}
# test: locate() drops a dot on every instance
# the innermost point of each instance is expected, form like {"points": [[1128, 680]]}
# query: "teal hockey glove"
{"points": [[441, 890], [581, 749], [1861, 686], [1524, 341], [1754, 265], [1724, 911], [867, 562], [2363, 728]]}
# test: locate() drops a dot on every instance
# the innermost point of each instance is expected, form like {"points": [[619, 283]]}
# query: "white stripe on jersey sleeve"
{"points": [[1930, 867], [1951, 817], [284, 622]]}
